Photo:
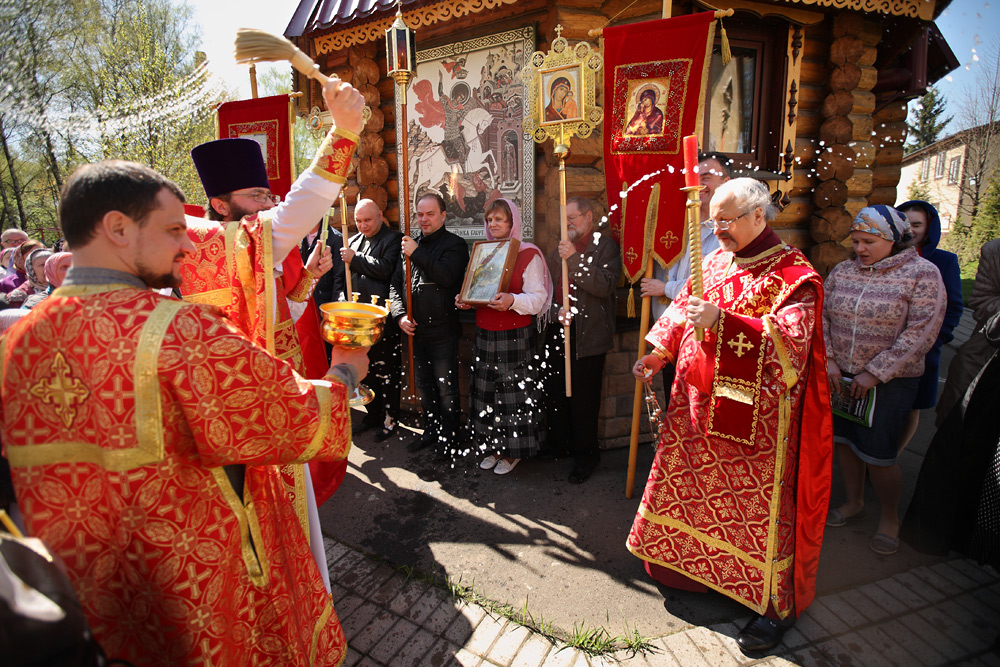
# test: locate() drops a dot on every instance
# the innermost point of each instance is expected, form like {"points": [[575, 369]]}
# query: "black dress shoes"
{"points": [[582, 471], [384, 433], [761, 635]]}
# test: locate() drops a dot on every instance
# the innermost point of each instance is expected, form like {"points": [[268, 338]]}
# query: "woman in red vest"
{"points": [[505, 404]]}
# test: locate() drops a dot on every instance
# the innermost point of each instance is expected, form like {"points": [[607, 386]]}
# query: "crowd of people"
{"points": [[192, 415]]}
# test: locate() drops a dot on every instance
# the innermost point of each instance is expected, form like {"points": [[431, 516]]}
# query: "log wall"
{"points": [[842, 154], [845, 153]]}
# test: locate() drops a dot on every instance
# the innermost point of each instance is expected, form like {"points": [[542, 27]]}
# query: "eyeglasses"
{"points": [[723, 225], [260, 196]]}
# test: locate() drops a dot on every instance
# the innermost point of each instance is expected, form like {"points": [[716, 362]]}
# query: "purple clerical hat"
{"points": [[227, 165]]}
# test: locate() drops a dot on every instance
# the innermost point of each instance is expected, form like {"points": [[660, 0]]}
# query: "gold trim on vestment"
{"points": [[255, 569], [760, 609], [789, 375], [742, 261], [148, 411], [324, 618], [733, 393], [298, 472], [270, 301], [3, 348], [688, 529], [737, 389], [87, 290], [325, 398], [229, 241], [244, 272], [216, 297], [770, 580]]}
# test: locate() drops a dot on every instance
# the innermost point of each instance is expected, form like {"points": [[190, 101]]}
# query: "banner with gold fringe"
{"points": [[266, 120], [655, 77]]}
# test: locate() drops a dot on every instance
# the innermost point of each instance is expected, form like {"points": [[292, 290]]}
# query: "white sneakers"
{"points": [[498, 464]]}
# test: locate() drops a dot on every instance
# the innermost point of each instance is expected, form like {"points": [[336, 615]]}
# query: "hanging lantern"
{"points": [[400, 53]]}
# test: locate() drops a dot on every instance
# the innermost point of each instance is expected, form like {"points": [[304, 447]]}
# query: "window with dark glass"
{"points": [[743, 104], [954, 167], [939, 166]]}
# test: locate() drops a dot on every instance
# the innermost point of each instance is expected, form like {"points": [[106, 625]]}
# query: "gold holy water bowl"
{"points": [[350, 325]]}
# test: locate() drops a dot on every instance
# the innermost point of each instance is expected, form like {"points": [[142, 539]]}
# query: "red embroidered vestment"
{"points": [[120, 408], [738, 492]]}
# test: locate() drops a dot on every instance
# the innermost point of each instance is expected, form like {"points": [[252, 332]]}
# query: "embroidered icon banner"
{"points": [[267, 121], [655, 74]]}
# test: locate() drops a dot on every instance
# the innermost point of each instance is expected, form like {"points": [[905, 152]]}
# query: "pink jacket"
{"points": [[883, 318]]}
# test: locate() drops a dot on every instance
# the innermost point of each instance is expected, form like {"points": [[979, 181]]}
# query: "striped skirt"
{"points": [[505, 401]]}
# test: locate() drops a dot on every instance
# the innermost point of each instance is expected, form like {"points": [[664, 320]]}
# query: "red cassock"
{"points": [[233, 268], [738, 492], [120, 409]]}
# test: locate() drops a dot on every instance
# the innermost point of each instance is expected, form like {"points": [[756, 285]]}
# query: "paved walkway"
{"points": [[945, 614]]}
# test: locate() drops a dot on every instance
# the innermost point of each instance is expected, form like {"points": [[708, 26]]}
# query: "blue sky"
{"points": [[970, 27]]}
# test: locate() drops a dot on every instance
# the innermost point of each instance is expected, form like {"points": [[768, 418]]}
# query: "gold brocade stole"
{"points": [[250, 259]]}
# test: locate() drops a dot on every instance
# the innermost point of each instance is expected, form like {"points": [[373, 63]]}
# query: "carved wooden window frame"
{"points": [[769, 38]]}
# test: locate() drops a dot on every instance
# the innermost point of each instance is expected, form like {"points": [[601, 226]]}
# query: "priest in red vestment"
{"points": [[124, 414], [737, 497]]}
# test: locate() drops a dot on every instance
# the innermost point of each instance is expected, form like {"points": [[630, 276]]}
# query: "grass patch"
{"points": [[593, 641]]}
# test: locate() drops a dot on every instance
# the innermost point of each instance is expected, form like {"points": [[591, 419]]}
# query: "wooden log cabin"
{"points": [[822, 89]]}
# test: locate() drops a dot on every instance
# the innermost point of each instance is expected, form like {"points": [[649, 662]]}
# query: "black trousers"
{"points": [[572, 420], [385, 375]]}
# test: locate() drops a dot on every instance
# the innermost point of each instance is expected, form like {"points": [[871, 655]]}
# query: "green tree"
{"points": [[927, 122], [85, 80], [139, 67], [277, 80], [965, 241], [918, 190]]}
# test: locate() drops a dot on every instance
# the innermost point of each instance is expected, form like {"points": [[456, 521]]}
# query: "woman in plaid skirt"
{"points": [[505, 404]]}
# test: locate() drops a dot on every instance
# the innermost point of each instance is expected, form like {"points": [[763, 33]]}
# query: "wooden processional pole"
{"points": [[633, 443], [561, 152], [402, 78]]}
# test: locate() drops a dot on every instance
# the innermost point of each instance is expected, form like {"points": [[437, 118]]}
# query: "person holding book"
{"points": [[882, 314]]}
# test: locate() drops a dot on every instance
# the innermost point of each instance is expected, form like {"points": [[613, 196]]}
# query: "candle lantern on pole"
{"points": [[401, 58]]}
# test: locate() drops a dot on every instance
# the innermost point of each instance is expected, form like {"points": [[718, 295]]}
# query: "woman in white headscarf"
{"points": [[505, 407]]}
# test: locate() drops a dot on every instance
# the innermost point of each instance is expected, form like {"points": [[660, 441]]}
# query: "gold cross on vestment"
{"points": [[631, 255], [668, 239], [62, 390], [740, 345]]}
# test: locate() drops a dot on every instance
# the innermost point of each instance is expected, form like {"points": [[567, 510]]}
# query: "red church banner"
{"points": [[267, 121], [655, 76]]}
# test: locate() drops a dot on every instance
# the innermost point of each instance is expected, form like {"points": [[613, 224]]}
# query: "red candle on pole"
{"points": [[690, 161]]}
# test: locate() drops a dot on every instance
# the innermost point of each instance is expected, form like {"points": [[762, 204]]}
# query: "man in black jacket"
{"points": [[371, 258], [330, 286], [438, 262]]}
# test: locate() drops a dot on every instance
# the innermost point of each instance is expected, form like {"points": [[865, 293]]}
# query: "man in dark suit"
{"points": [[330, 286], [438, 262], [372, 257]]}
